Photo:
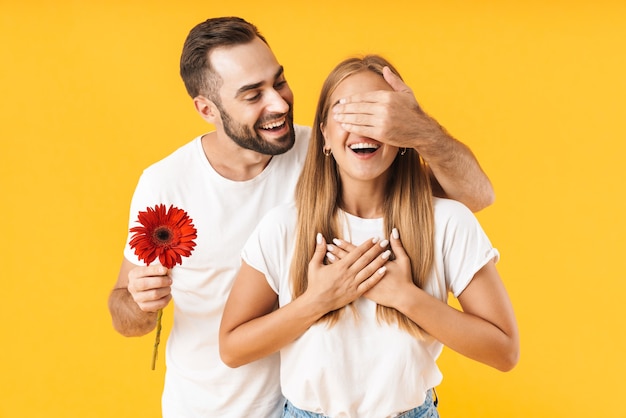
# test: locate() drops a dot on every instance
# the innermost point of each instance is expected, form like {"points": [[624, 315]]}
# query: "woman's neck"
{"points": [[363, 199]]}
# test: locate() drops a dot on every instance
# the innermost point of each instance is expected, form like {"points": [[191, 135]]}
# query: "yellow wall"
{"points": [[90, 95]]}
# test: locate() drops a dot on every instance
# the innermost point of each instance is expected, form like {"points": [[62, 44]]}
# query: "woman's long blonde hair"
{"points": [[408, 201]]}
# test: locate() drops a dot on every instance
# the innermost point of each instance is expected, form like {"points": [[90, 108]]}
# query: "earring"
{"points": [[327, 151], [402, 151]]}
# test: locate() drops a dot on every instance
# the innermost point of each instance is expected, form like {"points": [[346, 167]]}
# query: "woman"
{"points": [[359, 327]]}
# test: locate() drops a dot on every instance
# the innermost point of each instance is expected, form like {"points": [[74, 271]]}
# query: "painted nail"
{"points": [[384, 243], [337, 242], [395, 233], [382, 270], [330, 257], [318, 238], [386, 254], [330, 247]]}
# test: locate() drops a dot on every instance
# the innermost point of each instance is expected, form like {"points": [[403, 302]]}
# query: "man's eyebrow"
{"points": [[243, 89], [280, 72]]}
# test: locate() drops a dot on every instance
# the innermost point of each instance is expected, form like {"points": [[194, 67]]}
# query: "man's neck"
{"points": [[230, 160]]}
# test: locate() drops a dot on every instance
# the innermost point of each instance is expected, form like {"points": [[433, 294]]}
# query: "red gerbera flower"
{"points": [[166, 235]]}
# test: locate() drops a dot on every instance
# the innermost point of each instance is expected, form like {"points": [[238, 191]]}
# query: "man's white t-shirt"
{"points": [[224, 212], [362, 367]]}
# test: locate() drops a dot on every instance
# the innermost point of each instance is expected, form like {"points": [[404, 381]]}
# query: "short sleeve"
{"points": [[144, 196], [465, 246], [270, 246]]}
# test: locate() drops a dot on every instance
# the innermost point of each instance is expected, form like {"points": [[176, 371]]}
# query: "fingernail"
{"points": [[375, 240], [337, 242], [330, 257], [382, 270], [394, 233], [330, 247], [384, 243], [386, 254], [318, 238]]}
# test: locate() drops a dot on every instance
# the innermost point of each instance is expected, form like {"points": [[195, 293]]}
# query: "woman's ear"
{"points": [[323, 130]]}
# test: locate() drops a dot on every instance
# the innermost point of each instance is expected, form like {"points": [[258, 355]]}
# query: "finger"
{"points": [[396, 244], [395, 81], [366, 131], [365, 105], [346, 247], [350, 120], [371, 281], [369, 262], [360, 256], [152, 295], [349, 104], [142, 284], [156, 270], [154, 305], [339, 249], [357, 252], [147, 271], [336, 253], [320, 250]]}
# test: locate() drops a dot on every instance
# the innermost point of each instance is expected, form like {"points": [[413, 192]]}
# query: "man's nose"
{"points": [[276, 103]]}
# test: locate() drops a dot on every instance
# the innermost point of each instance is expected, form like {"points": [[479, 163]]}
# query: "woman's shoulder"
{"points": [[448, 207], [453, 215]]}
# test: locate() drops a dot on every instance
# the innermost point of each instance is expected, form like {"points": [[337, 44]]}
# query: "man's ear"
{"points": [[206, 108]]}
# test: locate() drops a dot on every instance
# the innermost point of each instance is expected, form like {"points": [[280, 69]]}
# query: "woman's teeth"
{"points": [[364, 147]]}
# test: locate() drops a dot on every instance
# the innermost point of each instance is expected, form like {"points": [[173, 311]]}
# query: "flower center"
{"points": [[163, 235]]}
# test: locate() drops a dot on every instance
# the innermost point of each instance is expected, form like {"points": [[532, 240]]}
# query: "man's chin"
{"points": [[282, 146], [279, 144]]}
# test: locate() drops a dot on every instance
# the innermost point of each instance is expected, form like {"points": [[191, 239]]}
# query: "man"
{"points": [[227, 180]]}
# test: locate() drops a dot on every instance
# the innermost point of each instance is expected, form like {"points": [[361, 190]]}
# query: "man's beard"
{"points": [[246, 137]]}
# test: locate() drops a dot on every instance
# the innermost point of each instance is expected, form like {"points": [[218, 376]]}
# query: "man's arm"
{"points": [[395, 117], [137, 296], [455, 171]]}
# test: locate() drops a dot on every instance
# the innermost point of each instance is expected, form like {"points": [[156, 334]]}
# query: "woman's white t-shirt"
{"points": [[362, 367]]}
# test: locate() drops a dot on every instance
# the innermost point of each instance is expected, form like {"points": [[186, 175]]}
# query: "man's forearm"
{"points": [[128, 319], [456, 170]]}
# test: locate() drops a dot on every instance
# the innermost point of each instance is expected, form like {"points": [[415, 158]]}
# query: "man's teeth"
{"points": [[273, 125]]}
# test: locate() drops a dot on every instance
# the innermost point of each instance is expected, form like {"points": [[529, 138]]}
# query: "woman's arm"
{"points": [[486, 329], [252, 325]]}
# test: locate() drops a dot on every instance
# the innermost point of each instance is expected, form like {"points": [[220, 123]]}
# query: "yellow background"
{"points": [[90, 95]]}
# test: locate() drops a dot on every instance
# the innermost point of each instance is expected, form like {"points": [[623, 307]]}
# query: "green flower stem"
{"points": [[157, 338]]}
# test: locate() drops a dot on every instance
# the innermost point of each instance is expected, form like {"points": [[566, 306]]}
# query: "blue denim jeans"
{"points": [[426, 410]]}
